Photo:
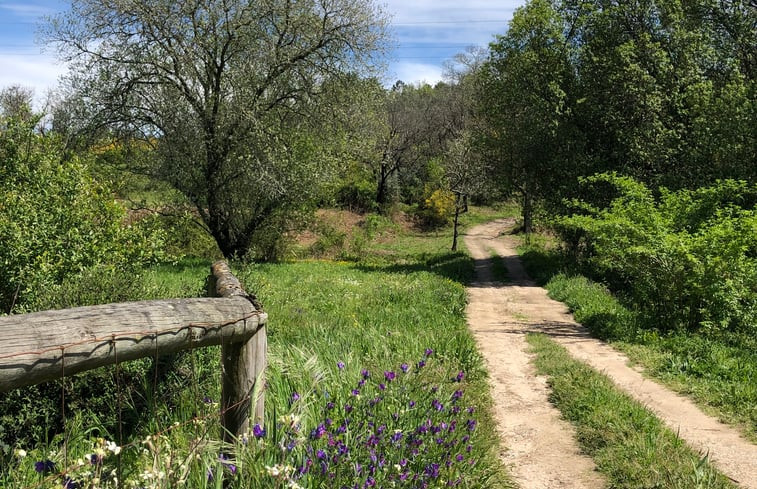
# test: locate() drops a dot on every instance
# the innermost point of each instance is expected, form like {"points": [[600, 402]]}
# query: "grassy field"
{"points": [[373, 378], [717, 372], [630, 446]]}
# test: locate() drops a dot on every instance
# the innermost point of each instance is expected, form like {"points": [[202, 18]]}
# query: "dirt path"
{"points": [[542, 452]]}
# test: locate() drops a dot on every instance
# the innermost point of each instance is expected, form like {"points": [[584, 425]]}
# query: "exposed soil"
{"points": [[541, 450]]}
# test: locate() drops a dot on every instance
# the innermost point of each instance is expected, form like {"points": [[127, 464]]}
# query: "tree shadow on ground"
{"points": [[453, 265]]}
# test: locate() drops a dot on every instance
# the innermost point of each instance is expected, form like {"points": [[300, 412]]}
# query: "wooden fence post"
{"points": [[243, 364]]}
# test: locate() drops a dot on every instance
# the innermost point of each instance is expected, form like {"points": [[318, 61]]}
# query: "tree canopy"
{"points": [[222, 90], [663, 91]]}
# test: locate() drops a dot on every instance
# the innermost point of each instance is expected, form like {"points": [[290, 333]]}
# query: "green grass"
{"points": [[377, 313], [629, 444], [719, 373]]}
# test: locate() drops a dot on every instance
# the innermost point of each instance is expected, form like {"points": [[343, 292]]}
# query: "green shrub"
{"points": [[56, 220], [359, 196], [438, 209], [330, 240], [687, 259]]}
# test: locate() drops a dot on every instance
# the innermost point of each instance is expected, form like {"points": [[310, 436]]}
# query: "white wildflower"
{"points": [[112, 447]]}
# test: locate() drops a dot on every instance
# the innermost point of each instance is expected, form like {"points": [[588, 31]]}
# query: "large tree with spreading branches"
{"points": [[224, 92]]}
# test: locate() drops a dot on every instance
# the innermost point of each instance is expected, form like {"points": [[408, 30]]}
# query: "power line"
{"points": [[453, 22]]}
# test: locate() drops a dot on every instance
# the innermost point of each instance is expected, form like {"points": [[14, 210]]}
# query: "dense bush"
{"points": [[359, 196], [686, 259], [56, 220], [438, 209]]}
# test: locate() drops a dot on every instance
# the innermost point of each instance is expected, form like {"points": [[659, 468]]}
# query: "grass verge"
{"points": [[628, 443]]}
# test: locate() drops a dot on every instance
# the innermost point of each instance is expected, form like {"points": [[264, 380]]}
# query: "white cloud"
{"points": [[24, 10], [450, 10], [39, 72], [428, 32], [415, 73]]}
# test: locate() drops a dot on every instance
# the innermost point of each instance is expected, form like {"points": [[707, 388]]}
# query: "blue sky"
{"points": [[427, 32]]}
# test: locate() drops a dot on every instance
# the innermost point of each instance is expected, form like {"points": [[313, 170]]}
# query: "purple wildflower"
{"points": [[295, 397], [318, 432], [340, 365], [404, 367], [389, 376], [365, 373], [429, 351], [460, 376], [432, 470], [258, 431], [44, 466]]}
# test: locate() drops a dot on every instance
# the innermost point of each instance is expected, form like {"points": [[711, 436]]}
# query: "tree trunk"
{"points": [[461, 207], [528, 212], [454, 232], [381, 190]]}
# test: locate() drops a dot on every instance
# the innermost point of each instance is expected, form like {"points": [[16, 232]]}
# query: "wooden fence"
{"points": [[49, 345]]}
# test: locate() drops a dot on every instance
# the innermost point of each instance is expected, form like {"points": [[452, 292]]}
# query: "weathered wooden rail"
{"points": [[49, 345]]}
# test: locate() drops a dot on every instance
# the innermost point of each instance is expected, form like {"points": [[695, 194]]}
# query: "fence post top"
{"points": [[227, 285]]}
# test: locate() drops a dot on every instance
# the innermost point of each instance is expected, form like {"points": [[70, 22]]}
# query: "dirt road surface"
{"points": [[541, 450]]}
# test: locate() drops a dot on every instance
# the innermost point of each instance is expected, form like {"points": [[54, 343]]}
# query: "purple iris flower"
{"points": [[258, 431]]}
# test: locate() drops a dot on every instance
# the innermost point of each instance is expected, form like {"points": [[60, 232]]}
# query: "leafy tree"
{"points": [[16, 102], [223, 90], [466, 170], [403, 143], [465, 173], [524, 102], [654, 80]]}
